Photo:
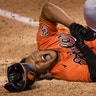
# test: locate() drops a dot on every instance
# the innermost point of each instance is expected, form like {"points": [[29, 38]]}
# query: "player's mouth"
{"points": [[50, 56], [46, 57]]}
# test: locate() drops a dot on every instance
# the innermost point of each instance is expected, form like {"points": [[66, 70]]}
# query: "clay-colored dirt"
{"points": [[18, 40]]}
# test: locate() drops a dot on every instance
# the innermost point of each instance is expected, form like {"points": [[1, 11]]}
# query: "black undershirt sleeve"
{"points": [[90, 57]]}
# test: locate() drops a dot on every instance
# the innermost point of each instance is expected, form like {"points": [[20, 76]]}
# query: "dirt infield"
{"points": [[18, 40]]}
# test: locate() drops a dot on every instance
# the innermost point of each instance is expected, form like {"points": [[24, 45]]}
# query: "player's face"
{"points": [[43, 60]]}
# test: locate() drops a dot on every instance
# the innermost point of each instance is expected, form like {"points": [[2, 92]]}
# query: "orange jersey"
{"points": [[72, 65]]}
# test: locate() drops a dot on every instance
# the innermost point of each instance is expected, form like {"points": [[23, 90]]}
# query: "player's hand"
{"points": [[76, 31], [88, 34], [81, 33]]}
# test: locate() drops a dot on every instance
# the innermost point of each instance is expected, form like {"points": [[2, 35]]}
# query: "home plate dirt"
{"points": [[18, 40]]}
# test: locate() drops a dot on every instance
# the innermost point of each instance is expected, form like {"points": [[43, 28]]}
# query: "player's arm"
{"points": [[89, 55], [55, 14]]}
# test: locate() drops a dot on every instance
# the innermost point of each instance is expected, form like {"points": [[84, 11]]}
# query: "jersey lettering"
{"points": [[69, 42]]}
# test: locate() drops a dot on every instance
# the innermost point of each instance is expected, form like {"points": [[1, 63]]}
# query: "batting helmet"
{"points": [[20, 77]]}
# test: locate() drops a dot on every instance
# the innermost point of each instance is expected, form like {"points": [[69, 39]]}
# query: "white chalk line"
{"points": [[18, 17]]}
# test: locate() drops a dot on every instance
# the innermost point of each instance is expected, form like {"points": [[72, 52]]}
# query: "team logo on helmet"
{"points": [[31, 75]]}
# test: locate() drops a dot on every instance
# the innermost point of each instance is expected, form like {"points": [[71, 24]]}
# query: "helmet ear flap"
{"points": [[16, 80]]}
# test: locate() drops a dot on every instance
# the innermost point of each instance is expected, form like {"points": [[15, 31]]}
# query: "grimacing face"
{"points": [[43, 60]]}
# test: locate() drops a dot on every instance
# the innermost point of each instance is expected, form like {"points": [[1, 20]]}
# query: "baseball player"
{"points": [[64, 53]]}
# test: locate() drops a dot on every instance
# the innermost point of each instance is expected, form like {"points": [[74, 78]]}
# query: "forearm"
{"points": [[90, 57], [55, 14]]}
